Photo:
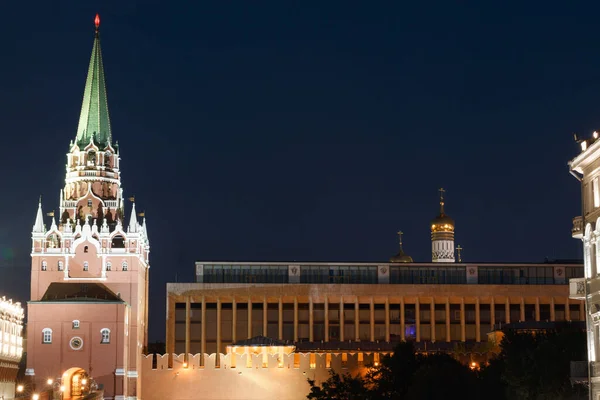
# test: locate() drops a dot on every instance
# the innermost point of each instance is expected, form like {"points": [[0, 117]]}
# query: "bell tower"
{"points": [[88, 314], [442, 235]]}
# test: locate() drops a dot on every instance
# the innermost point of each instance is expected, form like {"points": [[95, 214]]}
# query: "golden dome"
{"points": [[442, 223], [401, 257]]}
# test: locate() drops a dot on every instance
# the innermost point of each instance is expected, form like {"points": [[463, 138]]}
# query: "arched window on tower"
{"points": [[105, 332], [44, 265], [86, 266], [118, 242], [109, 266], [46, 335], [91, 158], [124, 265], [60, 266], [75, 324], [53, 241], [107, 159]]}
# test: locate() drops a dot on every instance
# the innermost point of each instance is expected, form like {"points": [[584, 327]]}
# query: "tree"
{"points": [[442, 377], [339, 387]]}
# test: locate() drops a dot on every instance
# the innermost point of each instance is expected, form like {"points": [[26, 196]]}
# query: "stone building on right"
{"points": [[586, 168]]}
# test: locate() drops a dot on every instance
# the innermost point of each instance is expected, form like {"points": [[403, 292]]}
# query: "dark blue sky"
{"points": [[306, 130]]}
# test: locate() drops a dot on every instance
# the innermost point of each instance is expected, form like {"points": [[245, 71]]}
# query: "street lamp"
{"points": [[20, 388], [35, 397], [50, 381]]}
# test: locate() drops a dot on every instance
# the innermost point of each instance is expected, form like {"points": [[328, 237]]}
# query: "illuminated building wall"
{"points": [[586, 227], [362, 303], [11, 345]]}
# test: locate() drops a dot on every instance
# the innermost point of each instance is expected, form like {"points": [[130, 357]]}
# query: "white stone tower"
{"points": [[442, 235]]}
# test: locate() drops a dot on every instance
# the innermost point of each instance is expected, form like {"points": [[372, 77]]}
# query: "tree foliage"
{"points": [[529, 367]]}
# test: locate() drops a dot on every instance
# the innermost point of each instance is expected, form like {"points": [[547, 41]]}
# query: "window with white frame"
{"points": [[105, 332], [76, 324], [44, 265], [86, 266], [60, 266], [596, 192], [109, 266], [46, 335], [124, 265]]}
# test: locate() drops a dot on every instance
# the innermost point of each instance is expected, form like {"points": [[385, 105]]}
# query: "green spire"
{"points": [[94, 120]]}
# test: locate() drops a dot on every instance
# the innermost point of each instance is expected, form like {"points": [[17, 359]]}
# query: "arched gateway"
{"points": [[76, 383]]}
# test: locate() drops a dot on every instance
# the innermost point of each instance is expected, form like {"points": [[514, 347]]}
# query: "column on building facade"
{"points": [[507, 310], [326, 308], [233, 320], [356, 320], [342, 316], [402, 321], [432, 318], [218, 328], [203, 330], [265, 317], [417, 319], [387, 319], [249, 317], [552, 311], [567, 310], [477, 321], [295, 318], [310, 319], [170, 326], [280, 318], [463, 328], [492, 313], [187, 327], [372, 320], [448, 338], [537, 309], [522, 315]]}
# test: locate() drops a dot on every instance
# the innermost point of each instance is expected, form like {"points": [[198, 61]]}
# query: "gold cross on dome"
{"points": [[458, 250], [442, 191]]}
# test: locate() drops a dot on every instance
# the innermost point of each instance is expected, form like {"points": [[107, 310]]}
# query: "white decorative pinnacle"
{"points": [[53, 227], [104, 228], [144, 230], [38, 226], [133, 223]]}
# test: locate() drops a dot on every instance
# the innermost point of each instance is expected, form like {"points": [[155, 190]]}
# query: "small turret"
{"points": [[133, 223], [38, 226]]}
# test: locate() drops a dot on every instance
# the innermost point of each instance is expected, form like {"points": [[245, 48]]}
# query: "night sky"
{"points": [[307, 131]]}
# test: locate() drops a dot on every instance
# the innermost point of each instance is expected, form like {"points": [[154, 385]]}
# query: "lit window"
{"points": [[76, 324], [108, 266], [85, 266], [44, 265], [105, 335], [60, 266], [46, 335], [596, 193], [124, 265]]}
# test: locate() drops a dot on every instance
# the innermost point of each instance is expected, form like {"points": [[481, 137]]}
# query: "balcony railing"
{"points": [[577, 229], [577, 288]]}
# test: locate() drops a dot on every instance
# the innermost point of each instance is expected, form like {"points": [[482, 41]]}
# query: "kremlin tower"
{"points": [[88, 314], [442, 235]]}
